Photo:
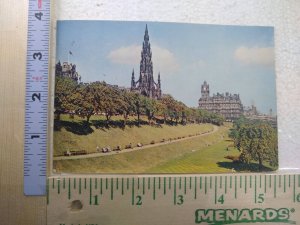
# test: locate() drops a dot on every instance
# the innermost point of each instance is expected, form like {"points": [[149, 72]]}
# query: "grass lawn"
{"points": [[195, 155], [203, 154], [74, 134]]}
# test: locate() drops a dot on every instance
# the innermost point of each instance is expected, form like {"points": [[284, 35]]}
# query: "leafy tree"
{"points": [[110, 101], [150, 107], [162, 110], [137, 103], [257, 141], [83, 101], [126, 104], [64, 88], [217, 119]]}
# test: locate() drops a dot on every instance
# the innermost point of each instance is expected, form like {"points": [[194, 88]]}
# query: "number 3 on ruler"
{"points": [[179, 200], [37, 55]]}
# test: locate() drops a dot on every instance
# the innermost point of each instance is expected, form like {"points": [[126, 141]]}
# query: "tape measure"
{"points": [[163, 200], [36, 102]]}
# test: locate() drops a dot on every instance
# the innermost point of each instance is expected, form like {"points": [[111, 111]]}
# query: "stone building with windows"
{"points": [[228, 105], [146, 85], [67, 70]]}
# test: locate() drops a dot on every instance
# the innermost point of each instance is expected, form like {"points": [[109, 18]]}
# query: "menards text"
{"points": [[245, 215]]}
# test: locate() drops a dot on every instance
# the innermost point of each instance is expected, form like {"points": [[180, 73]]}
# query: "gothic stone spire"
{"points": [[146, 84]]}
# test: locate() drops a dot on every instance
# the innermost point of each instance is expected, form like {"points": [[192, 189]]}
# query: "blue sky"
{"points": [[235, 59]]}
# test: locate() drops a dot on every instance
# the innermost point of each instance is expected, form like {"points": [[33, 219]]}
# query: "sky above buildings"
{"points": [[235, 59]]}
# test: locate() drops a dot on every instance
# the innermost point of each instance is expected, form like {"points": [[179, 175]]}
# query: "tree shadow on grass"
{"points": [[244, 167], [104, 125], [79, 128]]}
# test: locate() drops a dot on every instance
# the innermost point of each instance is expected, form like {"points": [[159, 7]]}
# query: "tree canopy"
{"points": [[86, 100], [256, 140]]}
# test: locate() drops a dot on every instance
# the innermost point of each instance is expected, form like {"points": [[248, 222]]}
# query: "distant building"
{"points": [[252, 113], [67, 70], [227, 105], [146, 85]]}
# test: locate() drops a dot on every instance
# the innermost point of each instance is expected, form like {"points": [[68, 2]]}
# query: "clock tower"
{"points": [[205, 90]]}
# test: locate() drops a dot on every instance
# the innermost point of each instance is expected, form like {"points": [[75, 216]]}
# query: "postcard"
{"points": [[155, 97]]}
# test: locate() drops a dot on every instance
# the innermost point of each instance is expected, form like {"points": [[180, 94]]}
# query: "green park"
{"points": [[101, 128]]}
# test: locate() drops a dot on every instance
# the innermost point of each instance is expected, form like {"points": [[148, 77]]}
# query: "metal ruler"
{"points": [[36, 102], [164, 200]]}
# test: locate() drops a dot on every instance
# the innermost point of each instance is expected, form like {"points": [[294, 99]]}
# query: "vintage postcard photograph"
{"points": [[153, 97]]}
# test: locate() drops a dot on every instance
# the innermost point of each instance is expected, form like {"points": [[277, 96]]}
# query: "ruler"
{"points": [[36, 101], [176, 200]]}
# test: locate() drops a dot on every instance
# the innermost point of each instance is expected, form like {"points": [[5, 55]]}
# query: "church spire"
{"points": [[146, 36], [146, 85], [158, 80], [132, 79]]}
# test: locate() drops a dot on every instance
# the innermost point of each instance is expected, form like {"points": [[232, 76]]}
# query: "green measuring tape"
{"points": [[164, 200]]}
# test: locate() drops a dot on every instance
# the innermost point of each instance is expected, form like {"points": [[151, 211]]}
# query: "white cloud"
{"points": [[257, 56], [163, 59], [125, 55]]}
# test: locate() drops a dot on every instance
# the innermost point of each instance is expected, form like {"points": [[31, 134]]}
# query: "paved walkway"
{"points": [[100, 154]]}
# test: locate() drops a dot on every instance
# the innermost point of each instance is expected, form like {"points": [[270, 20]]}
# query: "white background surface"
{"points": [[283, 15]]}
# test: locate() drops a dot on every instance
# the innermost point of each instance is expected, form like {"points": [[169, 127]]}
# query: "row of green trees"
{"points": [[257, 141], [86, 100]]}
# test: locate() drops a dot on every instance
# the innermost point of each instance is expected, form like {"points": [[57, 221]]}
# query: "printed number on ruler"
{"points": [[36, 102], [224, 199]]}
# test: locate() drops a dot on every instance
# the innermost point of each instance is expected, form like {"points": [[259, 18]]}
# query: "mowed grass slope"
{"points": [[74, 135], [205, 160], [198, 155]]}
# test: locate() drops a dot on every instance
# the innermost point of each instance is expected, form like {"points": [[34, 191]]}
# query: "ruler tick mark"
{"points": [[265, 184], [225, 184], [175, 194], [200, 183], [79, 191], [132, 192], [284, 183], [195, 189], [91, 191], [111, 189], [58, 186], [205, 185], [144, 185], [180, 183], [275, 186], [294, 188], [255, 186], [164, 185], [245, 184], [235, 187], [154, 188], [69, 188], [184, 185], [148, 183], [122, 186], [159, 183]]}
